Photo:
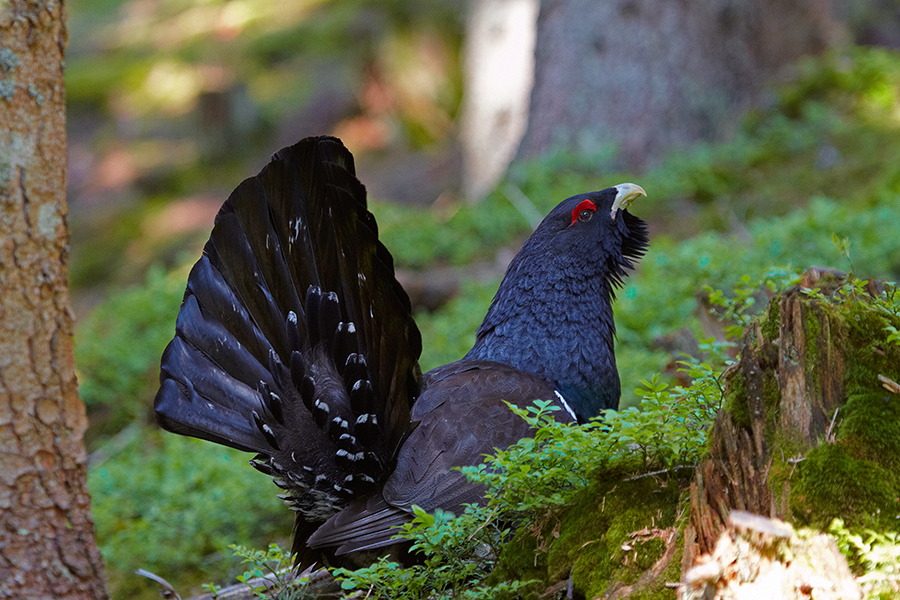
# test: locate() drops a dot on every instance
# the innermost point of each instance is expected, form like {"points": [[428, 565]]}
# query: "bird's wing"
{"points": [[294, 339], [461, 416]]}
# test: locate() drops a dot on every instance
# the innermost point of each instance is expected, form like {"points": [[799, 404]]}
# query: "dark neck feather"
{"points": [[553, 316]]}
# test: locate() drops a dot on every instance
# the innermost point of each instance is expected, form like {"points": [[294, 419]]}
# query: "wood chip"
{"points": [[889, 384]]}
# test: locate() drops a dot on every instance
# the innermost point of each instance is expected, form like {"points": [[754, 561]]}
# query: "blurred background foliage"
{"points": [[173, 102]]}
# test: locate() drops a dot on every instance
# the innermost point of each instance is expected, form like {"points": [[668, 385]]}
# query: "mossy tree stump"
{"points": [[807, 432]]}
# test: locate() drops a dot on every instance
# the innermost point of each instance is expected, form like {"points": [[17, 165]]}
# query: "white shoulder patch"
{"points": [[565, 404]]}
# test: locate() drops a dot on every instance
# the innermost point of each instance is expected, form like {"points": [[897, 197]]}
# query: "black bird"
{"points": [[295, 341]]}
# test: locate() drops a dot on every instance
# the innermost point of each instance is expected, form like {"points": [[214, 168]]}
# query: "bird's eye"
{"points": [[583, 212]]}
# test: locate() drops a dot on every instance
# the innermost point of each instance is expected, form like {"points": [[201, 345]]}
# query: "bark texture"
{"points": [[787, 385], [648, 76], [47, 547]]}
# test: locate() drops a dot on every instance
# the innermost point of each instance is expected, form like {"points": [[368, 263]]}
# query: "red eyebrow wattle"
{"points": [[584, 204]]}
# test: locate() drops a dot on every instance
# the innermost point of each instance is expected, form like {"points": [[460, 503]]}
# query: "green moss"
{"points": [[772, 400], [867, 353], [671, 573], [857, 475], [612, 533], [771, 324], [870, 428], [736, 399], [786, 451], [830, 483], [616, 555], [870, 419]]}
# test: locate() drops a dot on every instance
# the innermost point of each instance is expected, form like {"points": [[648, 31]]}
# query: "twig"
{"points": [[523, 204], [168, 592], [660, 472], [829, 433], [115, 444], [483, 525]]}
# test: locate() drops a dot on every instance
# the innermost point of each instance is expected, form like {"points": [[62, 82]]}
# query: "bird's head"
{"points": [[552, 315], [597, 226]]}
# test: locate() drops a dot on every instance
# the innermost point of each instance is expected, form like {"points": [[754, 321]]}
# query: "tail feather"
{"points": [[218, 298], [232, 251], [365, 524], [209, 339], [183, 363], [294, 339], [172, 397]]}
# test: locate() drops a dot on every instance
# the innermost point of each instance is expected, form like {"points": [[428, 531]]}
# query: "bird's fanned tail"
{"points": [[294, 339]]}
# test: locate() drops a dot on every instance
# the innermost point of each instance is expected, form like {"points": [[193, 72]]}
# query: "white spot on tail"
{"points": [[366, 418]]}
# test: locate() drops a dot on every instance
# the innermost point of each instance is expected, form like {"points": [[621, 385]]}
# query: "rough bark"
{"points": [[647, 76], [808, 372], [47, 547]]}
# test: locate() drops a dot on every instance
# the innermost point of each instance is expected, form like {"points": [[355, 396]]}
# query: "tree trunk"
{"points": [[646, 77], [778, 389], [809, 428], [47, 547], [499, 69]]}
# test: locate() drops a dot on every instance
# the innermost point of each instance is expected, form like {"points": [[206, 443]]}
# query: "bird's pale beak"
{"points": [[627, 192]]}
